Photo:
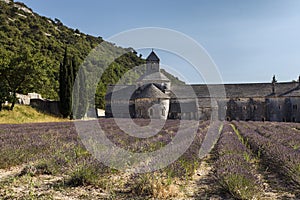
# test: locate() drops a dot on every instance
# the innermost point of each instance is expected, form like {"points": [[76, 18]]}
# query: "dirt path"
{"points": [[10, 172], [275, 187], [13, 186], [203, 184]]}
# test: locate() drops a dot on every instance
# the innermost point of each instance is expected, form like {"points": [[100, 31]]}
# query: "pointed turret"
{"points": [[152, 63], [152, 57]]}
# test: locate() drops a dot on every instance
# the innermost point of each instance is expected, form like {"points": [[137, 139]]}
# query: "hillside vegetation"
{"points": [[25, 114], [21, 28], [25, 34]]}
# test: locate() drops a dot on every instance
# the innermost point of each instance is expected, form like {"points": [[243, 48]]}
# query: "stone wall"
{"points": [[46, 106], [244, 109], [120, 109], [185, 109], [280, 109]]}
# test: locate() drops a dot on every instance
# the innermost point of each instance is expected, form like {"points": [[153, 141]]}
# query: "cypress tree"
{"points": [[80, 102], [83, 97], [69, 88], [66, 80]]}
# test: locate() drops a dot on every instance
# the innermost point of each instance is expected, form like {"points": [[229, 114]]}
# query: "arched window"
{"points": [[191, 115], [163, 111], [151, 112]]}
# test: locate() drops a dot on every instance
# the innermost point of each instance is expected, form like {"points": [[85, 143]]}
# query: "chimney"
{"points": [[274, 81]]}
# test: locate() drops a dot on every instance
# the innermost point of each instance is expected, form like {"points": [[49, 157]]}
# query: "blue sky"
{"points": [[248, 40]]}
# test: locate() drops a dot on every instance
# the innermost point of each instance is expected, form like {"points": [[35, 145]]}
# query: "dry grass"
{"points": [[26, 114], [156, 185]]}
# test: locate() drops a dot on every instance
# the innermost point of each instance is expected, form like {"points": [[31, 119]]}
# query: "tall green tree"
{"points": [[80, 95], [68, 70], [64, 85], [19, 71]]}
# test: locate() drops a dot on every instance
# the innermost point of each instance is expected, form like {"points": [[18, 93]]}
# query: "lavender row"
{"points": [[185, 165], [282, 133], [59, 145], [233, 167], [281, 159]]}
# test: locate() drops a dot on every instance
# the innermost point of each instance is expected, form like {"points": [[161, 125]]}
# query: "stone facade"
{"points": [[25, 99], [152, 108], [282, 106], [154, 97], [46, 106], [36, 101]]}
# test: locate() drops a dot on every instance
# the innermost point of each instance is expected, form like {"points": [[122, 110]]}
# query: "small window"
{"points": [[295, 107], [255, 107], [245, 108], [163, 112], [279, 107], [225, 107], [151, 112]]}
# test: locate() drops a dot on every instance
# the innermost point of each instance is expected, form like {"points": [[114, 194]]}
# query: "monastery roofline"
{"points": [[218, 84], [253, 83]]}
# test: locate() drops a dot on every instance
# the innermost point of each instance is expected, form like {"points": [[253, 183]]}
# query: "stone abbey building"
{"points": [[154, 96]]}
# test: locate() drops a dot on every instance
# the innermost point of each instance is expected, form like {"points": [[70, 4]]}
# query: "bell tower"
{"points": [[152, 63]]}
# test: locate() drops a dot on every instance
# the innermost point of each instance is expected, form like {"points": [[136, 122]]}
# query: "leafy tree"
{"points": [[4, 93], [19, 71], [3, 86]]}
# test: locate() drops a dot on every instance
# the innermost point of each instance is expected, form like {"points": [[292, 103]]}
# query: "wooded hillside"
{"points": [[26, 37]]}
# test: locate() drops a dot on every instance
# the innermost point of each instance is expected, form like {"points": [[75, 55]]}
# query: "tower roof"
{"points": [[151, 91], [153, 77], [152, 57]]}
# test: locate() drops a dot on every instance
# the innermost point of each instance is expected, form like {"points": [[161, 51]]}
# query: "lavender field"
{"points": [[250, 160]]}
